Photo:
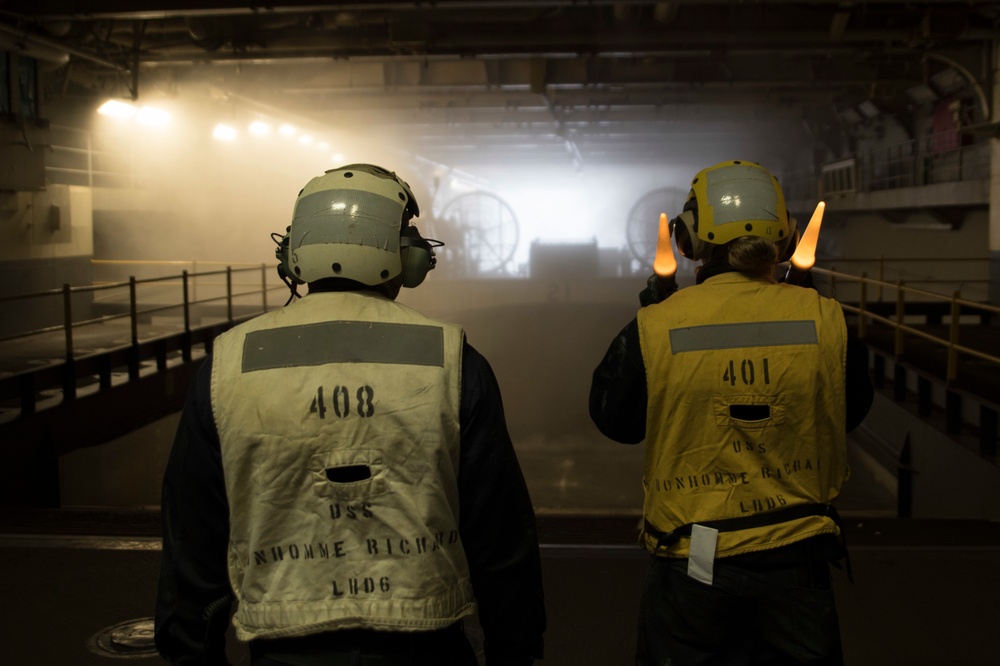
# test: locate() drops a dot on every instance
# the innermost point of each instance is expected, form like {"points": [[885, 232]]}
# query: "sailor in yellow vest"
{"points": [[342, 469], [744, 389]]}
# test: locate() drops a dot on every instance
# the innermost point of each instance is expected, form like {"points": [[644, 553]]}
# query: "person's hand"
{"points": [[657, 290]]}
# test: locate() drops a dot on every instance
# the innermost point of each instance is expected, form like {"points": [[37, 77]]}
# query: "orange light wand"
{"points": [[665, 264], [805, 252], [662, 283]]}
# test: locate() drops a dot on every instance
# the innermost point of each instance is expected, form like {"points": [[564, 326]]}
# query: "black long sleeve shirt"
{"points": [[497, 527]]}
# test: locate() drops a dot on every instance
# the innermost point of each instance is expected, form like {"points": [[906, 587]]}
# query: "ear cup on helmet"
{"points": [[786, 248], [281, 254], [416, 253], [416, 264], [682, 233]]}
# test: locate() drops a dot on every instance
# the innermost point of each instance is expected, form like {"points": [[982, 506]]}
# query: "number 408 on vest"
{"points": [[344, 402]]}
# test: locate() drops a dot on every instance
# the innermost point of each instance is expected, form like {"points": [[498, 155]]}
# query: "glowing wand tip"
{"points": [[665, 264], [805, 252]]}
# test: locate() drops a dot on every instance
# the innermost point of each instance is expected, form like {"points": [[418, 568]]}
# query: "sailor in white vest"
{"points": [[342, 469], [744, 389]]}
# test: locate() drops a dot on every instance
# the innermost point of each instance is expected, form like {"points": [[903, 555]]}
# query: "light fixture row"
{"points": [[152, 116], [147, 115]]}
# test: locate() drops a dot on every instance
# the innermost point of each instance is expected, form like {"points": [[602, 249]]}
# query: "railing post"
{"points": [[229, 294], [862, 305], [194, 280], [987, 431], [187, 302], [186, 344], [90, 160], [878, 370], [880, 275], [263, 285], [133, 312], [68, 320], [956, 312], [904, 481], [69, 371], [953, 412], [899, 318], [925, 396]]}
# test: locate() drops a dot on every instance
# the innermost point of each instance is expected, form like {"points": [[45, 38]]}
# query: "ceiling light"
{"points": [[117, 109], [287, 130], [305, 139], [258, 128], [224, 132], [153, 117]]}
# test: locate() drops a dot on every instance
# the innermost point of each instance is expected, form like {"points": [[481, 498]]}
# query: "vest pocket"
{"points": [[348, 474], [748, 411]]}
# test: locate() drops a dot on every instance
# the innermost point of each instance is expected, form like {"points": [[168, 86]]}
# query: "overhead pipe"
{"points": [[295, 7], [18, 45], [45, 49]]}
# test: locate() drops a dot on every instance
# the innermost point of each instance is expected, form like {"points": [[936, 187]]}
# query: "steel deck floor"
{"points": [[925, 591]]}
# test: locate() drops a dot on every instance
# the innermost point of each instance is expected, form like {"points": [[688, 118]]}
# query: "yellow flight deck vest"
{"points": [[746, 410], [338, 417]]}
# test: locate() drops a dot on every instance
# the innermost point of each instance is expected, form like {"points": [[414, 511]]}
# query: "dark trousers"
{"points": [[756, 614]]}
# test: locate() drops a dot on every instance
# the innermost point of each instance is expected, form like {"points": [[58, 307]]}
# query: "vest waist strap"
{"points": [[667, 539]]}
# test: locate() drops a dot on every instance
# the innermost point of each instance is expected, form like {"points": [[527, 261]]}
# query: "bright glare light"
{"points": [[224, 132], [258, 128], [337, 158], [305, 139], [153, 117], [287, 130], [117, 109]]}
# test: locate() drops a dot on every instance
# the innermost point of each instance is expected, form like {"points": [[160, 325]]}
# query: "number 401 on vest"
{"points": [[747, 372]]}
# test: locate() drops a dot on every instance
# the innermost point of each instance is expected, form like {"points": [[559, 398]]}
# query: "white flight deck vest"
{"points": [[338, 417], [746, 410]]}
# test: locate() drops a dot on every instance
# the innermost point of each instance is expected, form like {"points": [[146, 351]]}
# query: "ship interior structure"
{"points": [[150, 149]]}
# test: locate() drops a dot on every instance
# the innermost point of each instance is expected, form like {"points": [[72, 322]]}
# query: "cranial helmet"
{"points": [[730, 200], [353, 223]]}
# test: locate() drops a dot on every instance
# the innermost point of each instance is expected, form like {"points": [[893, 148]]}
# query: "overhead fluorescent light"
{"points": [[153, 117], [115, 109], [259, 128], [224, 133]]}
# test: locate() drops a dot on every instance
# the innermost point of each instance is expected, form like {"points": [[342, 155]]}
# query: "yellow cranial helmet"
{"points": [[730, 200]]}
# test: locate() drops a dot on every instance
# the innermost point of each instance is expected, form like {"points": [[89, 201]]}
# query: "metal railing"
{"points": [[976, 380], [219, 289], [222, 293], [188, 300], [913, 163], [957, 307], [966, 274]]}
